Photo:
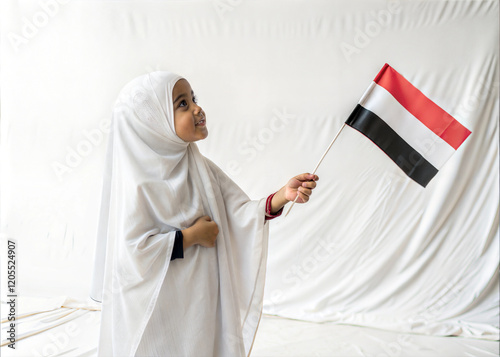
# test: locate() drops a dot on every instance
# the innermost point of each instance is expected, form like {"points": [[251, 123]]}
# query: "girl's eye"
{"points": [[195, 99], [182, 103]]}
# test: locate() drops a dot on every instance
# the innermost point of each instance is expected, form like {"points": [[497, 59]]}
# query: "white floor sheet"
{"points": [[58, 331]]}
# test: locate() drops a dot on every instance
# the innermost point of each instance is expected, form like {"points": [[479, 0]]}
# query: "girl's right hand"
{"points": [[203, 232]]}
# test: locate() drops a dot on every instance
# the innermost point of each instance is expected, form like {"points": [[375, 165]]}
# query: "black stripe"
{"points": [[409, 160]]}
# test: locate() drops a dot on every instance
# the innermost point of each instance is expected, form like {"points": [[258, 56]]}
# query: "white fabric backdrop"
{"points": [[276, 79]]}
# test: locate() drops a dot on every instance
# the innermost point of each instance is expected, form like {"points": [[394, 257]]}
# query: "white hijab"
{"points": [[207, 304]]}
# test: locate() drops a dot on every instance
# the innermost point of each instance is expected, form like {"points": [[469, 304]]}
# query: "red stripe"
{"points": [[421, 107]]}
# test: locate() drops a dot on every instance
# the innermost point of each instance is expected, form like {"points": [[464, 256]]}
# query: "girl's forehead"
{"points": [[182, 85]]}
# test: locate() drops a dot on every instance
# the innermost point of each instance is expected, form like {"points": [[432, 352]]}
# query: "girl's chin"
{"points": [[202, 135]]}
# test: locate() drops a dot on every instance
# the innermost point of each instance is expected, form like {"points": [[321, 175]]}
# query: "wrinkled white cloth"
{"points": [[210, 302]]}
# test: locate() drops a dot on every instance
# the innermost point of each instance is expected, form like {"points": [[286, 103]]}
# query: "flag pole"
{"points": [[316, 168]]}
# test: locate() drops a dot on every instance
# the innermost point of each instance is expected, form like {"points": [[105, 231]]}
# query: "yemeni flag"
{"points": [[410, 128]]}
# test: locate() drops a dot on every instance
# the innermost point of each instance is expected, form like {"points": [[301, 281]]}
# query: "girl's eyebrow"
{"points": [[182, 95]]}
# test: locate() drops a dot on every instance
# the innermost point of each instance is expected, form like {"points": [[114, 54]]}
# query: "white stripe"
{"points": [[379, 101]]}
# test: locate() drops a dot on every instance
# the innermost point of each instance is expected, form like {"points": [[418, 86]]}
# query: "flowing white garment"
{"points": [[210, 302]]}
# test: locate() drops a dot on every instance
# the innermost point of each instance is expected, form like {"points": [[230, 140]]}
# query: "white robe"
{"points": [[207, 304]]}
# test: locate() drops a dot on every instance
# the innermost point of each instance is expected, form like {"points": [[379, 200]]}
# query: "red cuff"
{"points": [[270, 216]]}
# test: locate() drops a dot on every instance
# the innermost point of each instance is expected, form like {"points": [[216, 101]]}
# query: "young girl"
{"points": [[181, 249]]}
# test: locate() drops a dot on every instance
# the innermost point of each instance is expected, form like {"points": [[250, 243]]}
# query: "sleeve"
{"points": [[242, 248], [268, 213], [178, 249]]}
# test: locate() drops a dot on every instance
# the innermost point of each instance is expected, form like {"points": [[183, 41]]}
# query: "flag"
{"points": [[417, 134]]}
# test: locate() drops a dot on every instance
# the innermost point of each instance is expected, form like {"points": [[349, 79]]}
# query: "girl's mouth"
{"points": [[201, 122]]}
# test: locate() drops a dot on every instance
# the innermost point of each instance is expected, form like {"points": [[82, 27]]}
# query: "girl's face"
{"points": [[189, 118]]}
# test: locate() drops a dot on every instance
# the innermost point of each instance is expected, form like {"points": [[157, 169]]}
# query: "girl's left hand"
{"points": [[303, 184]]}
